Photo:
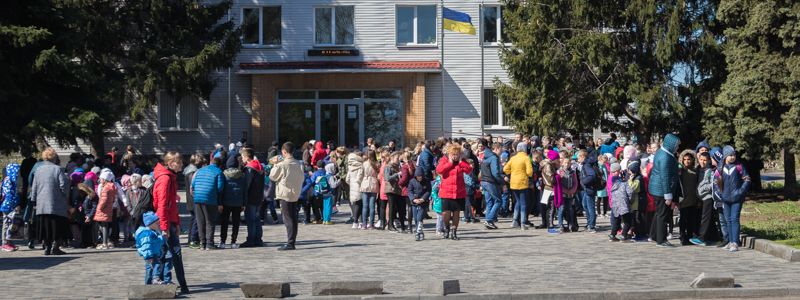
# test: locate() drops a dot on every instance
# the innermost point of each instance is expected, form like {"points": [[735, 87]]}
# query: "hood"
{"points": [[11, 171], [330, 169], [189, 169], [354, 161], [689, 152], [107, 175], [160, 170], [702, 144], [233, 173], [670, 143], [590, 160], [419, 172], [608, 141], [728, 150], [628, 152], [255, 165], [318, 146]]}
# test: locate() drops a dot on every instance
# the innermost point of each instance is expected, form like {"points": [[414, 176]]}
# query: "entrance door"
{"points": [[340, 121], [329, 121]]}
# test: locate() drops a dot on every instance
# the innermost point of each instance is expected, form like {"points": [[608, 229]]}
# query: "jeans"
{"points": [[504, 197], [151, 268], [732, 212], [368, 208], [206, 219], [230, 215], [327, 207], [419, 216], [566, 206], [723, 223], [171, 257], [589, 209], [491, 192], [254, 230], [520, 217], [468, 213], [289, 213]]}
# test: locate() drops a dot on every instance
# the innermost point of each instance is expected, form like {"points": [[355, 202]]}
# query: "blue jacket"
{"points": [[609, 146], [148, 243], [427, 163], [208, 185], [307, 184], [664, 175], [491, 172], [734, 187], [234, 188], [588, 175], [419, 190]]}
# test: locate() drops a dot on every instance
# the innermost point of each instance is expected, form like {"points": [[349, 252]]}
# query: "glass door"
{"points": [[329, 123], [352, 125]]}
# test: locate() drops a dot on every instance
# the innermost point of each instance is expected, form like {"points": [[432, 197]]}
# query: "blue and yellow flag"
{"points": [[457, 21]]}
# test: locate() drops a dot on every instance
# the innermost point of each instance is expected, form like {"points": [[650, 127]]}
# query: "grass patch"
{"points": [[776, 221]]}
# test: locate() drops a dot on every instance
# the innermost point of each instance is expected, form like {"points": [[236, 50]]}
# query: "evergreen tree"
{"points": [[758, 109], [576, 65], [71, 69]]}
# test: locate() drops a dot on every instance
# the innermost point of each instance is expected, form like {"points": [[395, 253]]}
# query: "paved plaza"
{"points": [[496, 261]]}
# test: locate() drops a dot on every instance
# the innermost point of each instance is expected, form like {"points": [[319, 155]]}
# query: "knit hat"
{"points": [[615, 167], [522, 147], [330, 168], [107, 175], [552, 155], [149, 218], [702, 144], [419, 172], [634, 166], [96, 170], [728, 151], [716, 154]]}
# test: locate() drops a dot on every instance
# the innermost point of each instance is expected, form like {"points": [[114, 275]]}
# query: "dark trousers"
{"points": [[206, 219], [663, 216], [708, 223], [546, 213], [689, 223], [194, 234], [306, 205], [356, 207], [382, 211], [316, 207], [230, 215], [602, 205], [289, 213], [530, 202], [397, 210], [627, 220], [640, 223]]}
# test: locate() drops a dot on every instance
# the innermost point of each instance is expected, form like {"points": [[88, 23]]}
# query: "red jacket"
{"points": [[406, 173], [452, 186], [165, 197], [319, 154]]}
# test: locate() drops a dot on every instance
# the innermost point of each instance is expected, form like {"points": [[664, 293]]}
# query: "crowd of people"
{"points": [[117, 200]]}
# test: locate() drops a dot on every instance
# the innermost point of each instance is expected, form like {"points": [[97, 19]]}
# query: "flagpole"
{"points": [[442, 66], [480, 43]]}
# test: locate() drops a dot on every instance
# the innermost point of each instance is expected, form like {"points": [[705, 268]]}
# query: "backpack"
{"points": [[599, 181], [145, 204], [322, 187]]}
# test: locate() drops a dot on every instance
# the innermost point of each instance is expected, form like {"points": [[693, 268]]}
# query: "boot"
{"points": [[454, 235], [446, 233]]}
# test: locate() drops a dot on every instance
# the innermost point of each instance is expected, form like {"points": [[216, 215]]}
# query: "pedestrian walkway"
{"points": [[485, 261]]}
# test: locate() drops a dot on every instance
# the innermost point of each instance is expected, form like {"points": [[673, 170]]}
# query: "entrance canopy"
{"points": [[297, 67]]}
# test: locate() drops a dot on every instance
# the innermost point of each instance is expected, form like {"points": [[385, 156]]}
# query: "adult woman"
{"points": [[452, 168], [355, 173], [49, 189], [369, 188], [165, 200]]}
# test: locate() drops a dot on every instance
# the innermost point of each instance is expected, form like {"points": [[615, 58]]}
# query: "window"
{"points": [[172, 115], [333, 26], [492, 25], [261, 26], [416, 25], [492, 109]]}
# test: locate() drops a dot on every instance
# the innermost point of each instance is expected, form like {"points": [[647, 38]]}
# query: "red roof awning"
{"points": [[339, 66]]}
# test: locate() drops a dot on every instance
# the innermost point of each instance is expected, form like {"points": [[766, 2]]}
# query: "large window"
{"points": [[416, 25], [261, 26], [173, 115], [492, 109], [333, 26], [492, 25]]}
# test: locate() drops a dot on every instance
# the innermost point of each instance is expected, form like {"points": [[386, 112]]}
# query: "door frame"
{"points": [[342, 117]]}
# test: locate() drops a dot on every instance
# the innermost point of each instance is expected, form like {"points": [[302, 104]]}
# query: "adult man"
{"points": [[254, 194], [165, 200], [663, 181], [288, 177], [491, 181], [588, 183]]}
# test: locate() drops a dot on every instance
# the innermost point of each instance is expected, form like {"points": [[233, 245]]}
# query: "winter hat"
{"points": [[522, 147], [615, 167], [702, 144], [96, 170], [419, 172], [330, 168], [728, 151], [107, 175], [552, 155], [634, 166], [716, 154], [613, 160], [149, 218], [147, 181]]}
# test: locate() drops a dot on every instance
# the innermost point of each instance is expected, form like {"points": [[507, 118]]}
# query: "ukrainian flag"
{"points": [[457, 21]]}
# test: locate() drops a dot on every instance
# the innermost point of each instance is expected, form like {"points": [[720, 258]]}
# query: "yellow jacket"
{"points": [[520, 169]]}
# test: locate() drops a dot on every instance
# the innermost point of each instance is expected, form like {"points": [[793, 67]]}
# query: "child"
{"points": [[393, 191], [9, 207], [565, 196], [323, 187], [549, 167], [602, 194], [148, 243], [689, 202], [419, 193], [620, 207], [708, 230], [305, 194], [437, 205], [232, 203], [316, 199], [638, 199], [103, 214], [734, 182]]}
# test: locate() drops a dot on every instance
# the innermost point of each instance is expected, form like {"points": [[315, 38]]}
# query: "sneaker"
{"points": [[8, 248], [194, 245], [110, 246], [488, 225], [379, 224], [591, 230], [697, 241], [524, 227], [727, 246], [650, 240], [221, 245], [369, 226], [416, 238], [733, 248], [553, 231], [514, 225], [360, 226], [234, 246], [101, 247], [355, 226], [671, 237], [612, 238], [665, 245]]}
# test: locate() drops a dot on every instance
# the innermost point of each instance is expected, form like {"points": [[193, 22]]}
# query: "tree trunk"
{"points": [[98, 144], [790, 178], [754, 169]]}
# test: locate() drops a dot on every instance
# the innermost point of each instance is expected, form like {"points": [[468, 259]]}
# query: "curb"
{"points": [[787, 253], [598, 295]]}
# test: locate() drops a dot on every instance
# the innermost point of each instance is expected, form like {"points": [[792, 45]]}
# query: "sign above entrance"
{"points": [[332, 52]]}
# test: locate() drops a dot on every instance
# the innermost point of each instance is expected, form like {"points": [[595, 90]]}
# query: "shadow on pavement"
{"points": [[498, 237], [216, 286], [335, 246], [32, 263]]}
